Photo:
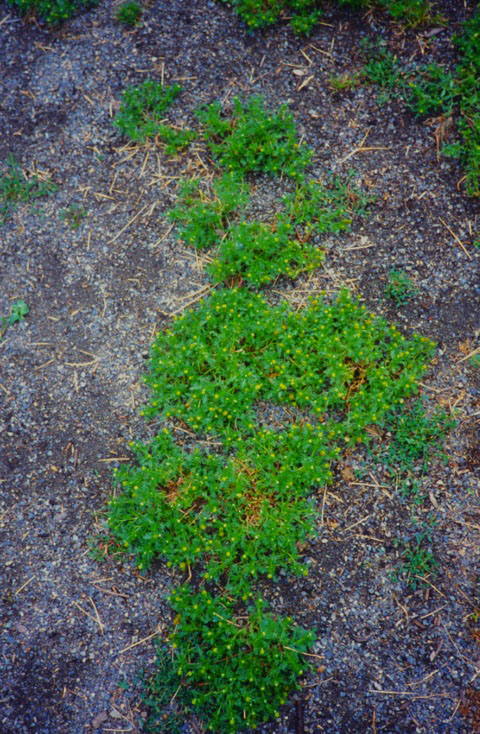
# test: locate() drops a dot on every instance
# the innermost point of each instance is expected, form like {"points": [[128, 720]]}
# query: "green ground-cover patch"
{"points": [[18, 311], [16, 187], [142, 111], [268, 399], [257, 253], [235, 510], [52, 11], [240, 664], [202, 216], [254, 139], [400, 287], [212, 371], [417, 435], [433, 90], [216, 362], [304, 14], [129, 14]]}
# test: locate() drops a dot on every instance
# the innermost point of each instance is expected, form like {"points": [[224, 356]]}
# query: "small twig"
{"points": [[85, 613], [358, 247], [427, 677], [164, 235], [426, 581], [471, 354], [350, 527], [139, 642], [308, 654], [190, 303], [97, 616], [409, 693], [456, 238], [175, 694], [79, 364], [24, 585], [229, 621], [113, 593], [127, 225], [323, 508], [45, 364]]}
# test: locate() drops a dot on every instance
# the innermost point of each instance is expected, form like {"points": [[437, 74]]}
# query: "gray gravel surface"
{"points": [[76, 631]]}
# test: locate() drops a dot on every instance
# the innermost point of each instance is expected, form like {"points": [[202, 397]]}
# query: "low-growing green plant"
{"points": [[235, 504], [244, 517], [434, 90], [165, 696], [202, 218], [18, 311], [175, 139], [411, 489], [129, 14], [345, 81], [52, 11], [258, 253], [304, 14], [417, 551], [16, 186], [73, 215], [325, 208], [241, 514], [400, 287], [143, 108], [410, 12], [467, 150], [238, 665], [261, 13], [216, 362], [383, 69], [418, 436], [254, 139]]}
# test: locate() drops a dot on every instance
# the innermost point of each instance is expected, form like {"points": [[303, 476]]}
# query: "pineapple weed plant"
{"points": [[304, 14], [433, 90], [232, 507], [16, 187]]}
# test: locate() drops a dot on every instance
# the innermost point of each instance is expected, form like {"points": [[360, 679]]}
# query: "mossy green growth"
{"points": [[239, 664], [216, 362], [129, 14], [434, 90], [218, 370], [304, 14], [254, 139], [16, 187], [52, 11], [142, 111], [256, 252], [203, 216]]}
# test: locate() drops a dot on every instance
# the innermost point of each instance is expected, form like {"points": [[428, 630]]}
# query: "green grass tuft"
{"points": [[16, 187]]}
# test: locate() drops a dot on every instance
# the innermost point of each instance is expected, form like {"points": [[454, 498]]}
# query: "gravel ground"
{"points": [[75, 631]]}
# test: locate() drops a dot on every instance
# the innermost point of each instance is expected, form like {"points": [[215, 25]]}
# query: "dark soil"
{"points": [[393, 660]]}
